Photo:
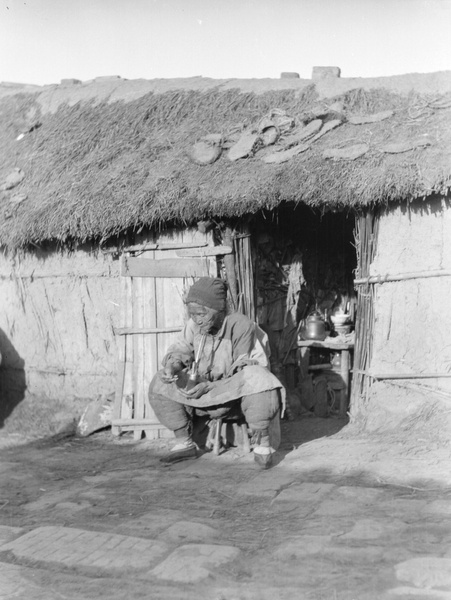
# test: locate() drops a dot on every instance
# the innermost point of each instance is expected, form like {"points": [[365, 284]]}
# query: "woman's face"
{"points": [[208, 319]]}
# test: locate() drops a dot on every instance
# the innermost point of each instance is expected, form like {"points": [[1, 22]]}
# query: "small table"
{"points": [[345, 349]]}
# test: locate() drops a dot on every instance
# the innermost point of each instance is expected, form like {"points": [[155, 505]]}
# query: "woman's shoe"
{"points": [[263, 456], [182, 451]]}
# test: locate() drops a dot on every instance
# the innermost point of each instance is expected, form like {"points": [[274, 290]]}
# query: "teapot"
{"points": [[315, 327]]}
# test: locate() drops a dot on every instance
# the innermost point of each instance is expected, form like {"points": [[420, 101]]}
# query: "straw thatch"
{"points": [[94, 169]]}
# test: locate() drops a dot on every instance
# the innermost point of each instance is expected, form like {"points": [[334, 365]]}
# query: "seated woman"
{"points": [[232, 366]]}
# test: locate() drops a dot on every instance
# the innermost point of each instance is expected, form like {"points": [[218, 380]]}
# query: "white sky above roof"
{"points": [[44, 41]]}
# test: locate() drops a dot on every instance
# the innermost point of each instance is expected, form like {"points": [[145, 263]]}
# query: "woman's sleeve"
{"points": [[243, 339], [182, 348]]}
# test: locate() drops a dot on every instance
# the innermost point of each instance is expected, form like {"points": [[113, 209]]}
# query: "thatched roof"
{"points": [[105, 156]]}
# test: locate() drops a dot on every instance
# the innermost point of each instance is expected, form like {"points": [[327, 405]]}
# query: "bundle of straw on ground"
{"points": [[97, 169]]}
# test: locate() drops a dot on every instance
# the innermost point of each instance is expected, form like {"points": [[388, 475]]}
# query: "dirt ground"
{"points": [[304, 529]]}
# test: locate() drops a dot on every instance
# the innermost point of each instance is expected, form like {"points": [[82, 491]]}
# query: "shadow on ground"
{"points": [[12, 378]]}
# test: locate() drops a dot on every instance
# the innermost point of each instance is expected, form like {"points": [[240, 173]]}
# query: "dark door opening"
{"points": [[304, 264]]}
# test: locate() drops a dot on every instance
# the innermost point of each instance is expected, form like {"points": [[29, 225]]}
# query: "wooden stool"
{"points": [[218, 435]]}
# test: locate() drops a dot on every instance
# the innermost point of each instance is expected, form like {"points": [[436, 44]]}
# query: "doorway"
{"points": [[304, 265]]}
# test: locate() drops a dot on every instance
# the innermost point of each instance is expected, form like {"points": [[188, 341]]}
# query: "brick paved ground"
{"points": [[89, 521], [78, 548]]}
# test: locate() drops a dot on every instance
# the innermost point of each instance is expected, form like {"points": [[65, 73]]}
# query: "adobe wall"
{"points": [[412, 318], [57, 313]]}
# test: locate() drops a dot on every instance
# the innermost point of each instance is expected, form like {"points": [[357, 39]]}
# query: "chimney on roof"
{"points": [[319, 73], [70, 81], [289, 75]]}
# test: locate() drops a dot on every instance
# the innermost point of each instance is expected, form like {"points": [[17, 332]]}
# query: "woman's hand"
{"points": [[172, 367], [198, 390], [167, 376]]}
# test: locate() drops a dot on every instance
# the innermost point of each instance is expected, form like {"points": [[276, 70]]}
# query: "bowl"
{"points": [[343, 329], [340, 318]]}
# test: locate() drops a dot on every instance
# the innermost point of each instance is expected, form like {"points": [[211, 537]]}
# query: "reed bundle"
{"points": [[366, 233], [245, 273]]}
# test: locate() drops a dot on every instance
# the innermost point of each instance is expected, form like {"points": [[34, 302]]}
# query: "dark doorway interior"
{"points": [[304, 265]]}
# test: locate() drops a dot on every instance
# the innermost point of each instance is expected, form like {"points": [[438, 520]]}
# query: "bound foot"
{"points": [[263, 456], [181, 451]]}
